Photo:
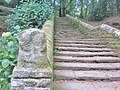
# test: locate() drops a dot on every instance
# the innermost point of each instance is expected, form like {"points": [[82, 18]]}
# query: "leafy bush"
{"points": [[5, 86], [29, 15], [8, 56], [116, 23], [96, 15], [74, 13]]}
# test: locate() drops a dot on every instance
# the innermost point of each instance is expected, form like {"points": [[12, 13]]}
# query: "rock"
{"points": [[31, 82], [32, 48], [31, 72], [5, 10]]}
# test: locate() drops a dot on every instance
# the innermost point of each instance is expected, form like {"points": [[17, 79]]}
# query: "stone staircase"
{"points": [[82, 63]]}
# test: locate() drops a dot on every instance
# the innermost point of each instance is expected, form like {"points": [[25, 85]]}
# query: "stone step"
{"points": [[68, 33], [69, 38], [79, 45], [84, 54], [75, 39], [86, 85], [86, 66], [83, 49], [86, 75], [87, 59], [81, 39], [82, 42]]}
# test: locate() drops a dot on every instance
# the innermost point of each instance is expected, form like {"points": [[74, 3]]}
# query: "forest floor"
{"points": [[4, 11], [3, 26], [112, 21]]}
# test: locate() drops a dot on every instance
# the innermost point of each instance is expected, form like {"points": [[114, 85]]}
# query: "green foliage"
{"points": [[96, 15], [74, 13], [116, 23], [5, 86], [99, 14], [29, 15], [8, 57]]}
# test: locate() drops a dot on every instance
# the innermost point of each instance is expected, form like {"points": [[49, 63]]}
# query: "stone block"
{"points": [[29, 88], [32, 48], [31, 73], [31, 82]]}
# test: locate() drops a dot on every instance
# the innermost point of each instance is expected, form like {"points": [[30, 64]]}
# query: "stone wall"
{"points": [[84, 25], [33, 71], [106, 33], [49, 31]]}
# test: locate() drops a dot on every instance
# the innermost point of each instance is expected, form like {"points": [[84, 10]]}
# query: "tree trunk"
{"points": [[63, 9], [60, 10], [118, 6], [18, 2], [64, 12], [93, 4], [54, 5], [86, 11], [104, 4], [81, 10]]}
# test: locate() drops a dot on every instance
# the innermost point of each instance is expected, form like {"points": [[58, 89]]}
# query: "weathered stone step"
{"points": [[87, 59], [69, 38], [79, 45], [85, 54], [68, 34], [86, 66], [86, 75], [75, 39], [84, 49], [86, 85], [82, 42]]}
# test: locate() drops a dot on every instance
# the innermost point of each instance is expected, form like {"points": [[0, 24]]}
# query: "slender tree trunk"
{"points": [[51, 2], [81, 10], [54, 4], [86, 11], [104, 4], [60, 10], [64, 9], [18, 2], [93, 4], [118, 6]]}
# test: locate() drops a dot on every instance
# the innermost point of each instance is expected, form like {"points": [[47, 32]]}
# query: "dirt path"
{"points": [[82, 63]]}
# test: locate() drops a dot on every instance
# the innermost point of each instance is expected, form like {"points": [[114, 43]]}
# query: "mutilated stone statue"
{"points": [[32, 48], [32, 71]]}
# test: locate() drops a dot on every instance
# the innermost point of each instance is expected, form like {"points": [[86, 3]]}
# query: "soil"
{"points": [[3, 26], [112, 21], [4, 11]]}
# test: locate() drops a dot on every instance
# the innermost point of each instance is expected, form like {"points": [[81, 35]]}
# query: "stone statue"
{"points": [[32, 48]]}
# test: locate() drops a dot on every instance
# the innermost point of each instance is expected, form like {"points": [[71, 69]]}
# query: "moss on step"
{"points": [[61, 77], [57, 88]]}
